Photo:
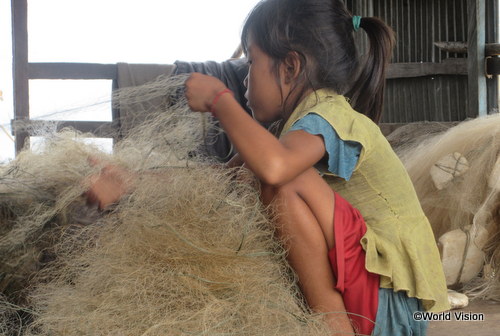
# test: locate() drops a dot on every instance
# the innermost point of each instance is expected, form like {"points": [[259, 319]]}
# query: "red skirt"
{"points": [[359, 288]]}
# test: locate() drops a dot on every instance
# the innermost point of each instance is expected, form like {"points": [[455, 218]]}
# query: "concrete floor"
{"points": [[490, 326]]}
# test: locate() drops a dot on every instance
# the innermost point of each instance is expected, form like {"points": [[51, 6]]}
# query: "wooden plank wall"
{"points": [[431, 84]]}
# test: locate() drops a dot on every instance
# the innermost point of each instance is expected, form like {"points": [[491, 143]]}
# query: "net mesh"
{"points": [[189, 251]]}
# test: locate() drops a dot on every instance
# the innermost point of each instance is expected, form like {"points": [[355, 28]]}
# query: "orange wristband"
{"points": [[216, 99]]}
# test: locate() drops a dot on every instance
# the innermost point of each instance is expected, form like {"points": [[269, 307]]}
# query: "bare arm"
{"points": [[273, 161]]}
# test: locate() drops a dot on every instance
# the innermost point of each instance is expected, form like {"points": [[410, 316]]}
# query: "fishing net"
{"points": [[189, 251], [453, 171]]}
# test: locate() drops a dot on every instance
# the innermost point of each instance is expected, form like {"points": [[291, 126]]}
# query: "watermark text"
{"points": [[448, 316]]}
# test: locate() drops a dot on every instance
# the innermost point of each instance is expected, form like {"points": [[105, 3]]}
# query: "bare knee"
{"points": [[308, 193]]}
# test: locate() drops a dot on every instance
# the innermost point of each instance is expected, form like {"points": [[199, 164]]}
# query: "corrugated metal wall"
{"points": [[418, 24], [492, 35]]}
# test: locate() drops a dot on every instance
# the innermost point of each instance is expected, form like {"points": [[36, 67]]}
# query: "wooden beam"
{"points": [[102, 129], [490, 49], [72, 71], [19, 9], [457, 66], [109, 71], [115, 114], [477, 96]]}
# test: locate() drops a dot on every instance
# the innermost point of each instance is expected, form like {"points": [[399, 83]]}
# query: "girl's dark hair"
{"points": [[320, 32]]}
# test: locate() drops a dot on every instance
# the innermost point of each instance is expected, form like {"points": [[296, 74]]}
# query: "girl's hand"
{"points": [[109, 186], [201, 91]]}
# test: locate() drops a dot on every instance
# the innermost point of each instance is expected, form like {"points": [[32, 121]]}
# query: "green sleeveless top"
{"points": [[399, 242]]}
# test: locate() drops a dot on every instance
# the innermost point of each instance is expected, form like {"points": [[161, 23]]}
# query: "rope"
{"points": [[464, 256]]}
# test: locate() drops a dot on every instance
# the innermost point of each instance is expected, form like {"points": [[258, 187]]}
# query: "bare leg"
{"points": [[305, 209]]}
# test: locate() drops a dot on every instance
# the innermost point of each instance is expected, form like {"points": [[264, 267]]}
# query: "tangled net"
{"points": [[189, 251], [471, 195]]}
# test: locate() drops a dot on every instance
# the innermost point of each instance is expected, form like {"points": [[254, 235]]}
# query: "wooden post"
{"points": [[493, 35], [19, 10], [477, 96], [115, 112]]}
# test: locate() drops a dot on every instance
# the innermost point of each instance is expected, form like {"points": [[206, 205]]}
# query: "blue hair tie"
{"points": [[356, 22]]}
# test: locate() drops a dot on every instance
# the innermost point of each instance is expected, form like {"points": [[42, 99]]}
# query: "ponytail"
{"points": [[367, 93], [321, 33]]}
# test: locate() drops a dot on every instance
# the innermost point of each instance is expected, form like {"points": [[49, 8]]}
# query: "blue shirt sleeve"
{"points": [[342, 155]]}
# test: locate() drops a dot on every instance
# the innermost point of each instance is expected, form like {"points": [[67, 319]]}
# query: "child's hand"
{"points": [[109, 185], [201, 91]]}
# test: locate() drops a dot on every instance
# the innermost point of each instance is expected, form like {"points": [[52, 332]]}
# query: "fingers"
{"points": [[108, 186], [194, 92], [201, 90], [92, 198], [97, 194]]}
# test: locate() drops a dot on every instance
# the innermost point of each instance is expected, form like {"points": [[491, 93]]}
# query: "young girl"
{"points": [[302, 60]]}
